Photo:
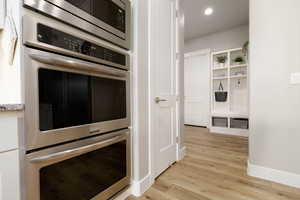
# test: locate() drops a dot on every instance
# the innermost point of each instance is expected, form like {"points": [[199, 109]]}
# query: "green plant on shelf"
{"points": [[221, 59], [239, 60]]}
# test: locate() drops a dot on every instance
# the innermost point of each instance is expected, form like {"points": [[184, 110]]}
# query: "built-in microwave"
{"points": [[69, 94], [108, 19]]}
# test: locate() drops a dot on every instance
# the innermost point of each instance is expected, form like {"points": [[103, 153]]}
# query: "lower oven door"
{"points": [[90, 169]]}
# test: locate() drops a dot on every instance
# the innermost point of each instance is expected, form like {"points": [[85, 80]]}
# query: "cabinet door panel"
{"points": [[9, 176]]}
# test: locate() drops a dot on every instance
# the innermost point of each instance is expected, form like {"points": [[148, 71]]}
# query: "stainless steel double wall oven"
{"points": [[77, 99]]}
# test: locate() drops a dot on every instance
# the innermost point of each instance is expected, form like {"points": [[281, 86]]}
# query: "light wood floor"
{"points": [[214, 169]]}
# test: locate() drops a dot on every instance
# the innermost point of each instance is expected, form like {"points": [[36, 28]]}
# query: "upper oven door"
{"points": [[94, 16], [67, 99]]}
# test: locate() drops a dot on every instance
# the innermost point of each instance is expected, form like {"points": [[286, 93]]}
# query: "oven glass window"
{"points": [[104, 10], [63, 99], [68, 99], [108, 97], [85, 176]]}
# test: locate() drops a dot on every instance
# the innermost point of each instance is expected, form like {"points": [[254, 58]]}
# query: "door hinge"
{"points": [[177, 56], [177, 140]]}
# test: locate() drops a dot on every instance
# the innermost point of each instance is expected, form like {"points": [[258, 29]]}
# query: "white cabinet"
{"points": [[8, 132], [9, 176]]}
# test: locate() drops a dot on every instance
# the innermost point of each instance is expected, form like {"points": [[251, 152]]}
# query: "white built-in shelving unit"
{"points": [[230, 116]]}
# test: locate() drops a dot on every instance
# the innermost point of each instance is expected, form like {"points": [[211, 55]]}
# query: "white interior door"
{"points": [[196, 88], [163, 80]]}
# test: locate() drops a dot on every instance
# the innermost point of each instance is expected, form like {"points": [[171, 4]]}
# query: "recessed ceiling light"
{"points": [[208, 11]]}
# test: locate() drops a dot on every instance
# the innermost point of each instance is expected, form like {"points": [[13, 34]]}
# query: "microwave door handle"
{"points": [[76, 64], [76, 151]]}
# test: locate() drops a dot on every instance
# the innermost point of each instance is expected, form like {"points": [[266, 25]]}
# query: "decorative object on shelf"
{"points": [[245, 49], [241, 123], [221, 95], [221, 60], [238, 83], [239, 60]]}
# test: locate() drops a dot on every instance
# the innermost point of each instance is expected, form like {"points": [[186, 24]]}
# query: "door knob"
{"points": [[158, 100]]}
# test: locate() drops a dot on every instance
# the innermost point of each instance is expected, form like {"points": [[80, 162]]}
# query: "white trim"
{"points": [[135, 141], [123, 194], [197, 53], [181, 153], [150, 95], [140, 187], [274, 175]]}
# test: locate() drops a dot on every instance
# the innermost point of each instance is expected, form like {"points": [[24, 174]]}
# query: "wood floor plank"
{"points": [[214, 169]]}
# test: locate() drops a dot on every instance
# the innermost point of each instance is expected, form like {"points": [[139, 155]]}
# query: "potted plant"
{"points": [[239, 60], [221, 60]]}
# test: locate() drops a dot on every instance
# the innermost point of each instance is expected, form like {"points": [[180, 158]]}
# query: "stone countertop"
{"points": [[11, 107]]}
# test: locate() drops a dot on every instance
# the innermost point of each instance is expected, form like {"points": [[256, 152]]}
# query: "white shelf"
{"points": [[219, 68], [238, 66], [220, 78], [238, 76], [230, 114]]}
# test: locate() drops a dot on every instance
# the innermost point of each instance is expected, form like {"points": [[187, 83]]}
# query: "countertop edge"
{"points": [[11, 107]]}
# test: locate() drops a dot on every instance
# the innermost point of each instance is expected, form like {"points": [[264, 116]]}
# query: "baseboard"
{"points": [[140, 187], [274, 175], [229, 131], [123, 194], [181, 153]]}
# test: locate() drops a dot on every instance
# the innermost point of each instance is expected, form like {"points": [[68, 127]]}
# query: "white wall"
{"points": [[229, 39], [10, 75], [274, 102]]}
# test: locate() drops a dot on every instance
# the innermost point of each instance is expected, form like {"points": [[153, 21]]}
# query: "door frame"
{"points": [[152, 94], [198, 53]]}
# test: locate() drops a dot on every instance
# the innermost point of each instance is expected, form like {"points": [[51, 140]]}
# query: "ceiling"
{"points": [[227, 14]]}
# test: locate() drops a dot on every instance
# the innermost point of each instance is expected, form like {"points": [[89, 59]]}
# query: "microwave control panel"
{"points": [[69, 42]]}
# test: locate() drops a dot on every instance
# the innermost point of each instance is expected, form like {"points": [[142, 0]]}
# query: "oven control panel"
{"points": [[66, 41]]}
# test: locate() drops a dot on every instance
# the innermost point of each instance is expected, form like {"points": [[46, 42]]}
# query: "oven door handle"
{"points": [[78, 65], [77, 151]]}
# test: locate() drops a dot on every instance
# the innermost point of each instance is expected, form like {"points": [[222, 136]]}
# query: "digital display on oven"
{"points": [[66, 41]]}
